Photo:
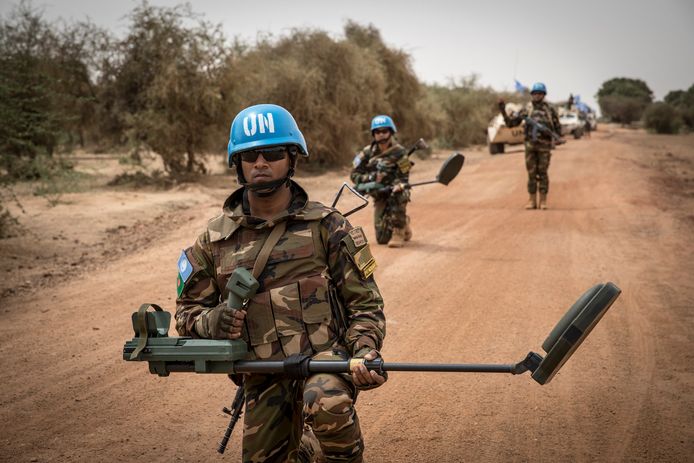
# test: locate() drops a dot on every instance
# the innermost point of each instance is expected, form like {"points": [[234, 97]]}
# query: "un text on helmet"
{"points": [[258, 123]]}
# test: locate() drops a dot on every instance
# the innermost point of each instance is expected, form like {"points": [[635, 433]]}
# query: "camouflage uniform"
{"points": [[390, 210], [537, 150], [316, 297]]}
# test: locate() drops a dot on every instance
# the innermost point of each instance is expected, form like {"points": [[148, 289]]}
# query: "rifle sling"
{"points": [[268, 245]]}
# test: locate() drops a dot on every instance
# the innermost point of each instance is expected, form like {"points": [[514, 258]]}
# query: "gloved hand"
{"points": [[502, 105], [220, 322], [365, 379]]}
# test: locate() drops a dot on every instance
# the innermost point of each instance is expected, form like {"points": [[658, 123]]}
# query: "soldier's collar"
{"points": [[237, 208]]}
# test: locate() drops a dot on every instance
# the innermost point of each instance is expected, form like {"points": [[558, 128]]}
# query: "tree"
{"points": [[165, 82], [683, 101], [29, 125], [623, 99], [662, 117]]}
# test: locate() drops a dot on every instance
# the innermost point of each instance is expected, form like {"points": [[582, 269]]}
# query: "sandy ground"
{"points": [[482, 281]]}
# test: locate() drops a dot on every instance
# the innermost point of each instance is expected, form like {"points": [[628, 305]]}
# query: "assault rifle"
{"points": [[167, 355], [536, 127]]}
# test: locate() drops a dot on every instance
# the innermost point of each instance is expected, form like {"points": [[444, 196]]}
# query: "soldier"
{"points": [[317, 295], [537, 143], [385, 161]]}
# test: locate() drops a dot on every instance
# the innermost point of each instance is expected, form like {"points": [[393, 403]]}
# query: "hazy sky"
{"points": [[571, 46]]}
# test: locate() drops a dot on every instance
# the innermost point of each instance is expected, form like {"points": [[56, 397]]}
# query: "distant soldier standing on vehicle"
{"points": [[538, 144], [317, 295], [385, 161]]}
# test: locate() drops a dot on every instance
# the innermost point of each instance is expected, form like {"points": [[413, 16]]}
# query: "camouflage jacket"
{"points": [[542, 112], [393, 163], [316, 292]]}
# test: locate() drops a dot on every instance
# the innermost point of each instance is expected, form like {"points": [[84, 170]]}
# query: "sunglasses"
{"points": [[269, 154], [381, 131]]}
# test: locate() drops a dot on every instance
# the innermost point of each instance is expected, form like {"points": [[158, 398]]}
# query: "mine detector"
{"points": [[178, 354]]}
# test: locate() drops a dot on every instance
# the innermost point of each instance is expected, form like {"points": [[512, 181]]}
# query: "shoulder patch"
{"points": [[404, 164], [359, 251], [357, 234], [185, 270]]}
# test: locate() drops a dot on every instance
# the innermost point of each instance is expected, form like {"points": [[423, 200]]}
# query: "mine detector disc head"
{"points": [[450, 168], [573, 328]]}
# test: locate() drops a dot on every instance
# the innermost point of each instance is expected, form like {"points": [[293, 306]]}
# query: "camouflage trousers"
{"points": [[391, 212], [277, 409], [537, 164]]}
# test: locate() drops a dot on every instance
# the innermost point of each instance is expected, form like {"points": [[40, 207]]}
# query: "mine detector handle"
{"points": [[242, 286], [448, 171], [301, 366]]}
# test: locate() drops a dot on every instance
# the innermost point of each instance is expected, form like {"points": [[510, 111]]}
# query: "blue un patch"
{"points": [[185, 268]]}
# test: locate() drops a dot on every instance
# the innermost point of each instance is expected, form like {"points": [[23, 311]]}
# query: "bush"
{"points": [[623, 99], [662, 118], [462, 111], [332, 87], [683, 101]]}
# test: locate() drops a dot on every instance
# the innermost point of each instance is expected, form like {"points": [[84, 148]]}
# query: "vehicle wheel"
{"points": [[577, 133], [500, 148], [384, 235], [493, 148]]}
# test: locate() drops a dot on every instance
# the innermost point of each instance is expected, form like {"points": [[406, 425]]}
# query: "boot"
{"points": [[543, 201], [408, 230], [532, 202], [398, 238]]}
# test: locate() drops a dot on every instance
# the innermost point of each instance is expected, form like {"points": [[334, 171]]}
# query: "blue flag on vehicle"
{"points": [[520, 88]]}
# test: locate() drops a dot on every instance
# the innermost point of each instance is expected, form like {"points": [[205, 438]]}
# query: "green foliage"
{"points": [[333, 87], [167, 84], [683, 101], [172, 84], [28, 121], [662, 118], [623, 99], [464, 110]]}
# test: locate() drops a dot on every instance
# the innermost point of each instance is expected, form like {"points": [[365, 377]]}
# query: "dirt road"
{"points": [[482, 281]]}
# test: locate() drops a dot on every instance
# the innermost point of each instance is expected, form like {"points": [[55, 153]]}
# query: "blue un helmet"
{"points": [[382, 121], [538, 87], [264, 126]]}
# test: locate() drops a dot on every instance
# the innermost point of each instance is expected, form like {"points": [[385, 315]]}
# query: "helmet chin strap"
{"points": [[385, 140], [266, 189]]}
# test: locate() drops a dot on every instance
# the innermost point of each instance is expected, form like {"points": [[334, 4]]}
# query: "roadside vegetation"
{"points": [[172, 83]]}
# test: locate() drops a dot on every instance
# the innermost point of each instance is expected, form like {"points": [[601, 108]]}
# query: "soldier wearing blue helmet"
{"points": [[538, 143], [385, 162], [317, 295]]}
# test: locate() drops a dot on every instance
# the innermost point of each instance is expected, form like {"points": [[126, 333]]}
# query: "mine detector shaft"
{"points": [[167, 355]]}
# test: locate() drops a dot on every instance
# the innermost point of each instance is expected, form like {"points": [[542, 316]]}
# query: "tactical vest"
{"points": [[543, 115], [291, 312]]}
